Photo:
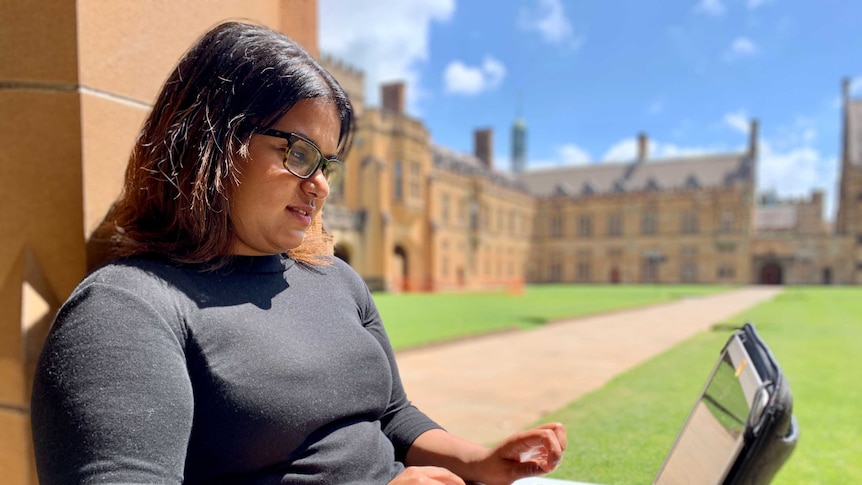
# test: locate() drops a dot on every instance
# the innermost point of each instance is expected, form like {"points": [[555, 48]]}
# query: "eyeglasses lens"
{"points": [[302, 158]]}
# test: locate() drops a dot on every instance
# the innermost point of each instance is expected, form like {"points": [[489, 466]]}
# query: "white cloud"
{"points": [[670, 150], [739, 121], [567, 154], [626, 150], [550, 20], [739, 48], [710, 7], [742, 46], [386, 40], [495, 71], [790, 165], [571, 154], [795, 172], [622, 151], [463, 79]]}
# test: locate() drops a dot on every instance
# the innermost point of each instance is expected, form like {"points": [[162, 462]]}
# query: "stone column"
{"points": [[76, 81]]}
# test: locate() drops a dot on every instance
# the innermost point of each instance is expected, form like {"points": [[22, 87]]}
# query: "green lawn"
{"points": [[415, 319], [619, 434]]}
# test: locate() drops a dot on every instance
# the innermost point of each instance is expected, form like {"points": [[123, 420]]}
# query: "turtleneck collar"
{"points": [[273, 263]]}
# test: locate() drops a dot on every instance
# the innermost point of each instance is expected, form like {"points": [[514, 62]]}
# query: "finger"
{"points": [[553, 438], [560, 430]]}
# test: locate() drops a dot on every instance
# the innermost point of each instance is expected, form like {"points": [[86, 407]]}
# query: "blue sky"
{"points": [[588, 76]]}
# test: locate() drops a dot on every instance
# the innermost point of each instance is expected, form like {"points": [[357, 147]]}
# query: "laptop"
{"points": [[741, 429]]}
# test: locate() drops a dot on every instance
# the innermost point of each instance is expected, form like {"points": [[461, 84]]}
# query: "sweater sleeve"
{"points": [[402, 422], [112, 401]]}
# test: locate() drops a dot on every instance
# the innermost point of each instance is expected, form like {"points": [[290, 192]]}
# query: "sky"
{"points": [[587, 76]]}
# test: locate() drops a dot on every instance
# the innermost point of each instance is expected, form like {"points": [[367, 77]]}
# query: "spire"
{"points": [[519, 140]]}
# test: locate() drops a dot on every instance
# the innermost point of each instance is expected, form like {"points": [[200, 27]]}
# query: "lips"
{"points": [[302, 212]]}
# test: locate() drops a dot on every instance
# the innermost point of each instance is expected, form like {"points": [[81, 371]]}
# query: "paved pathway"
{"points": [[486, 388]]}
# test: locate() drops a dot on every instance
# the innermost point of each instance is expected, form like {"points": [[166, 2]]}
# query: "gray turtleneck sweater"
{"points": [[265, 371]]}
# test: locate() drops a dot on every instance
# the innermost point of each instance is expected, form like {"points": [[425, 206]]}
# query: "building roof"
{"points": [[665, 174], [447, 159], [854, 132]]}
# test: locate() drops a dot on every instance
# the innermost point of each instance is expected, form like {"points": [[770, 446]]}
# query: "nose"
{"points": [[316, 186]]}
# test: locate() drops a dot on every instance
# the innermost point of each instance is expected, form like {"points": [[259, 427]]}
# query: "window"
{"points": [[474, 215], [615, 252], [398, 180], [585, 226], [688, 222], [688, 272], [649, 221], [415, 180], [649, 271], [444, 208], [555, 271], [688, 251], [691, 182], [582, 272], [462, 211], [726, 271], [725, 247], [556, 225], [615, 224], [725, 221]]}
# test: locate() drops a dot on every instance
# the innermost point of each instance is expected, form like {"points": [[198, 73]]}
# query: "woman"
{"points": [[223, 344]]}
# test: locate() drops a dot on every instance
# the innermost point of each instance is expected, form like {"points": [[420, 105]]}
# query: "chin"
{"points": [[290, 246]]}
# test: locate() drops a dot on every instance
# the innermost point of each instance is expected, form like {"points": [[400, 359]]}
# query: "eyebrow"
{"points": [[312, 140]]}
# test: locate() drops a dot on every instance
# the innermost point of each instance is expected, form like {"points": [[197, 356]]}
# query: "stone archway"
{"points": [[771, 274], [400, 270]]}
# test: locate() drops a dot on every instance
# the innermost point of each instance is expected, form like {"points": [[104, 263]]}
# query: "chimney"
{"points": [[484, 146], [845, 89], [643, 147], [817, 198], [753, 135], [392, 95]]}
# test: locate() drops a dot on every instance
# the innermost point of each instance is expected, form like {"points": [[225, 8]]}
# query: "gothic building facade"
{"points": [[413, 215]]}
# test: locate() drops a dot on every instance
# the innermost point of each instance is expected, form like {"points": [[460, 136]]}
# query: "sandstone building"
{"points": [[417, 216]]}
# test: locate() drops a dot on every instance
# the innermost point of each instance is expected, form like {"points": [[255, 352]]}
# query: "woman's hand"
{"points": [[426, 475], [525, 454]]}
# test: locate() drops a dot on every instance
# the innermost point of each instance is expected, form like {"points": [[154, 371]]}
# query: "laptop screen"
{"points": [[713, 434]]}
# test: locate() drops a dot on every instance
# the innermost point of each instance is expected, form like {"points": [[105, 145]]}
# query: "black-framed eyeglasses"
{"points": [[302, 157]]}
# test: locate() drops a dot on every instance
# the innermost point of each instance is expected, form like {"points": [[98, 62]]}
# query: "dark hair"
{"points": [[234, 80]]}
